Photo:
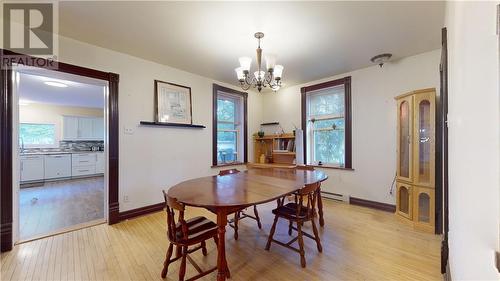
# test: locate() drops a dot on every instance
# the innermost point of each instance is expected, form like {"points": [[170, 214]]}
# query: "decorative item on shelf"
{"points": [[172, 103], [294, 130], [261, 79], [381, 59], [260, 134], [262, 159]]}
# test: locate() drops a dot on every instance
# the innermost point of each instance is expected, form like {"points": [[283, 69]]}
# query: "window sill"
{"points": [[229, 164], [331, 167]]}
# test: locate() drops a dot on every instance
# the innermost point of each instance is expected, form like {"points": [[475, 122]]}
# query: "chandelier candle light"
{"points": [[270, 78]]}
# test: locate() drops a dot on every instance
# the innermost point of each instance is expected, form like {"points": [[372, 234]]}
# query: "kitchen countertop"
{"points": [[57, 152]]}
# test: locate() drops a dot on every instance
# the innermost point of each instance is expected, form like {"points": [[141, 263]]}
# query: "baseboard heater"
{"points": [[335, 196]]}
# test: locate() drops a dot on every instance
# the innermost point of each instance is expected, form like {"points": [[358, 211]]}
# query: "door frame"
{"points": [[6, 131], [442, 225]]}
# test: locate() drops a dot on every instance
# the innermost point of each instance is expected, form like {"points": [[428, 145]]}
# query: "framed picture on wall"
{"points": [[172, 103]]}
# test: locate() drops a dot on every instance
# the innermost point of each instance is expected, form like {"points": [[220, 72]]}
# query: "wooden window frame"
{"points": [[346, 81], [244, 95]]}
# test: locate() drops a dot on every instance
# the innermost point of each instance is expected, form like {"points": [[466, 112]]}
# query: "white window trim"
{"points": [[238, 121], [310, 129]]}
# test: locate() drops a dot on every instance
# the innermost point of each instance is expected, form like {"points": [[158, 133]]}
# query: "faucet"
{"points": [[22, 145]]}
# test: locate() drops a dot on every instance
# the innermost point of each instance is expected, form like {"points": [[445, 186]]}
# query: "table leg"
{"points": [[222, 268], [320, 208]]}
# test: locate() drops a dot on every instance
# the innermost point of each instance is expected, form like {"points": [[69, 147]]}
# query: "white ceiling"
{"points": [[81, 91], [313, 40]]}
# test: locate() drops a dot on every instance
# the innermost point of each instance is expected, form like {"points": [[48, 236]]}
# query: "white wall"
{"points": [[155, 158], [373, 121], [53, 114], [473, 139]]}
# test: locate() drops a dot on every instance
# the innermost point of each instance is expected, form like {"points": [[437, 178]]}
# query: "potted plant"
{"points": [[260, 134]]}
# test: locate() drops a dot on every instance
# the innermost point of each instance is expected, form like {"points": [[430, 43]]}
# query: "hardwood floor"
{"points": [[358, 244], [60, 204]]}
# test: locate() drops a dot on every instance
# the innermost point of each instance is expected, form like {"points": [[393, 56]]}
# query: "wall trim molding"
{"points": [[141, 211], [372, 204]]}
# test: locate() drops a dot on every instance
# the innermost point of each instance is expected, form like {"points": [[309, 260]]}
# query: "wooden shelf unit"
{"points": [[268, 145], [173, 125], [415, 199]]}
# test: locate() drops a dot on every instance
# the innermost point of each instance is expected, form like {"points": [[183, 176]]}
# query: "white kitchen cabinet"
{"points": [[100, 164], [57, 166], [70, 127], [83, 159], [83, 128], [98, 128], [83, 170], [84, 164], [32, 168]]}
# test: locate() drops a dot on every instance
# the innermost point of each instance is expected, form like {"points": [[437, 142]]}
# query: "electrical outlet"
{"points": [[128, 130], [125, 198]]}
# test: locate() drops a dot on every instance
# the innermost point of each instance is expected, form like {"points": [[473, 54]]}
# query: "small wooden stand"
{"points": [[278, 149]]}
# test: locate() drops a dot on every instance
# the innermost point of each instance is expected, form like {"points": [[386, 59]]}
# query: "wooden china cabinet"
{"points": [[415, 182]]}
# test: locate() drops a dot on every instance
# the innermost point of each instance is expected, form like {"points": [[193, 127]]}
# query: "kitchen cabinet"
{"points": [[100, 164], [83, 170], [32, 168], [83, 128], [57, 166], [70, 127], [84, 164], [98, 128]]}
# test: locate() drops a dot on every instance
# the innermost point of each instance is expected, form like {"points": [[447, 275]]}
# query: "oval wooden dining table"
{"points": [[227, 194]]}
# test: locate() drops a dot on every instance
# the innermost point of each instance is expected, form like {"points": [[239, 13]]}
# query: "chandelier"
{"points": [[261, 79]]}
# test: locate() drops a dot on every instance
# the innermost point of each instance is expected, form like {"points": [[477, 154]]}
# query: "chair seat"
{"points": [[290, 211], [198, 228]]}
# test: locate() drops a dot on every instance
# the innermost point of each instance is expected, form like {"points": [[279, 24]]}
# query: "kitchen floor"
{"points": [[58, 205]]}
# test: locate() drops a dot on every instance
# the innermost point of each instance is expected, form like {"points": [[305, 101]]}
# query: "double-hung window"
{"points": [[327, 123], [230, 128]]}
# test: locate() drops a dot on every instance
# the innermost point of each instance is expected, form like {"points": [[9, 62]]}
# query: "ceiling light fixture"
{"points": [[270, 78], [55, 84], [381, 59], [25, 102]]}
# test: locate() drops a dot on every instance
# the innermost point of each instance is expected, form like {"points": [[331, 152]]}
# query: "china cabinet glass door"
{"points": [[404, 200], [405, 125], [424, 140], [424, 208]]}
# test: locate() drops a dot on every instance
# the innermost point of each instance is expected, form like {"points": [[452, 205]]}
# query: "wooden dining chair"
{"points": [[298, 213], [320, 201], [240, 214], [185, 234]]}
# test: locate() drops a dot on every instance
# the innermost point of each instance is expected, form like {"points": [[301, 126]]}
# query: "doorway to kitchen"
{"points": [[8, 110], [59, 159]]}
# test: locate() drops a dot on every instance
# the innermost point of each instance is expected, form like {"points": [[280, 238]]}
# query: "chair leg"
{"points": [[182, 270], [257, 216], [320, 209], [178, 251], [204, 248], [167, 260], [271, 234], [301, 245], [316, 236], [290, 223], [216, 240], [236, 218]]}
